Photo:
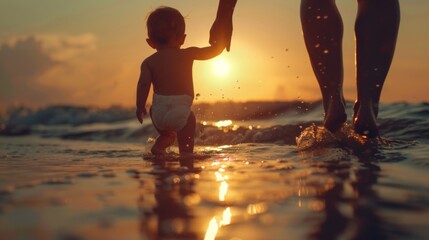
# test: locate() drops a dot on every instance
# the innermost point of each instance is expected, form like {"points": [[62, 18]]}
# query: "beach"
{"points": [[259, 174]]}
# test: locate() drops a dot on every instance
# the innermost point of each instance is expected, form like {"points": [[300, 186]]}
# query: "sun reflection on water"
{"points": [[223, 185], [214, 224], [257, 208], [225, 219], [223, 123]]}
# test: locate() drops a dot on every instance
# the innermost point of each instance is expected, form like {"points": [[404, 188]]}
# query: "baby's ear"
{"points": [[182, 39], [151, 43]]}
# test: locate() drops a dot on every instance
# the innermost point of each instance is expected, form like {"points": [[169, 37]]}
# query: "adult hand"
{"points": [[221, 30]]}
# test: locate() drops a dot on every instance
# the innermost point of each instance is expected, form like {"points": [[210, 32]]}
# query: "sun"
{"points": [[221, 67]]}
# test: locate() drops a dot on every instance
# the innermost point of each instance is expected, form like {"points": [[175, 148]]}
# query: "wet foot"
{"points": [[336, 115], [162, 143], [364, 120], [356, 109]]}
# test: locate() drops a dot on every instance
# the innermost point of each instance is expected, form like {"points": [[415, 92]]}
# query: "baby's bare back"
{"points": [[171, 71]]}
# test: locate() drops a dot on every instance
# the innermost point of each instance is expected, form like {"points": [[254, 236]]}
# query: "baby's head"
{"points": [[165, 25]]}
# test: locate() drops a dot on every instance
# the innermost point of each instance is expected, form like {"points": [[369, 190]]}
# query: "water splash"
{"points": [[319, 137]]}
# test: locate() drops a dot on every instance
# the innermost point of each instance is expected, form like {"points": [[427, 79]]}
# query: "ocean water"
{"points": [[263, 170]]}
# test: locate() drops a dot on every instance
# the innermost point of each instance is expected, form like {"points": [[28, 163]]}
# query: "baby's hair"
{"points": [[164, 24]]}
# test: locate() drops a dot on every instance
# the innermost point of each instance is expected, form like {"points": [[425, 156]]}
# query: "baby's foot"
{"points": [[364, 121], [336, 115], [158, 151], [162, 143]]}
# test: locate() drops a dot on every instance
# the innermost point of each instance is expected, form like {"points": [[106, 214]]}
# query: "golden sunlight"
{"points": [[214, 224], [221, 67]]}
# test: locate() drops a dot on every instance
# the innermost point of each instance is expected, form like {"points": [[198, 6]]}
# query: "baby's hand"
{"points": [[140, 112], [220, 33]]}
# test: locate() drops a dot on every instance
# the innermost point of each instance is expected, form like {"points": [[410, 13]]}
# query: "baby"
{"points": [[169, 70]]}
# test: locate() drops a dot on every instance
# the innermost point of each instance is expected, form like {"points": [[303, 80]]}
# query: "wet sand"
{"points": [[56, 189]]}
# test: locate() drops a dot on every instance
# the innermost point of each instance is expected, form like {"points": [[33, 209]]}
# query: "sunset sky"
{"points": [[88, 52]]}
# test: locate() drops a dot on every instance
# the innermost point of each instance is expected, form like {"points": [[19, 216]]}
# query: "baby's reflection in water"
{"points": [[169, 215]]}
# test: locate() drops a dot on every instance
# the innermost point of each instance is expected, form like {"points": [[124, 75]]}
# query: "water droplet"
{"points": [[326, 51], [317, 45]]}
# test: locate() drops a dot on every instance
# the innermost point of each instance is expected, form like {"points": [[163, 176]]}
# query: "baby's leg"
{"points": [[186, 136], [163, 141]]}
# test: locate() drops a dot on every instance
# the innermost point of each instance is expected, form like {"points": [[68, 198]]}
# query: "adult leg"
{"points": [[186, 136], [376, 30], [323, 33]]}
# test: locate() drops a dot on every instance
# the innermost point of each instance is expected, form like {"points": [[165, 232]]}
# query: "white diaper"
{"points": [[171, 112]]}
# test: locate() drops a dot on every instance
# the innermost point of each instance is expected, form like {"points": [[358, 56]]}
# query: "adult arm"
{"points": [[222, 26]]}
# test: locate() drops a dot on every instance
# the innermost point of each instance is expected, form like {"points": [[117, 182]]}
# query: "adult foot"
{"points": [[336, 115], [356, 107], [364, 120]]}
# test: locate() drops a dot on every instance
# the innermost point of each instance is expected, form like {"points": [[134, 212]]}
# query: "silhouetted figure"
{"points": [[376, 31], [169, 70]]}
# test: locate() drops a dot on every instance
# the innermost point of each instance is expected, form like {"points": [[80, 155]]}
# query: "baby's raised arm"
{"points": [[205, 53]]}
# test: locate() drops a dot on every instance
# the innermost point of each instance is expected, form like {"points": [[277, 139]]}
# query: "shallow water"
{"points": [[56, 189], [94, 179]]}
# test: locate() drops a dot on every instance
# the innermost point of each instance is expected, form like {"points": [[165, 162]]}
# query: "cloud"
{"points": [[64, 48], [20, 65], [34, 70], [59, 47]]}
